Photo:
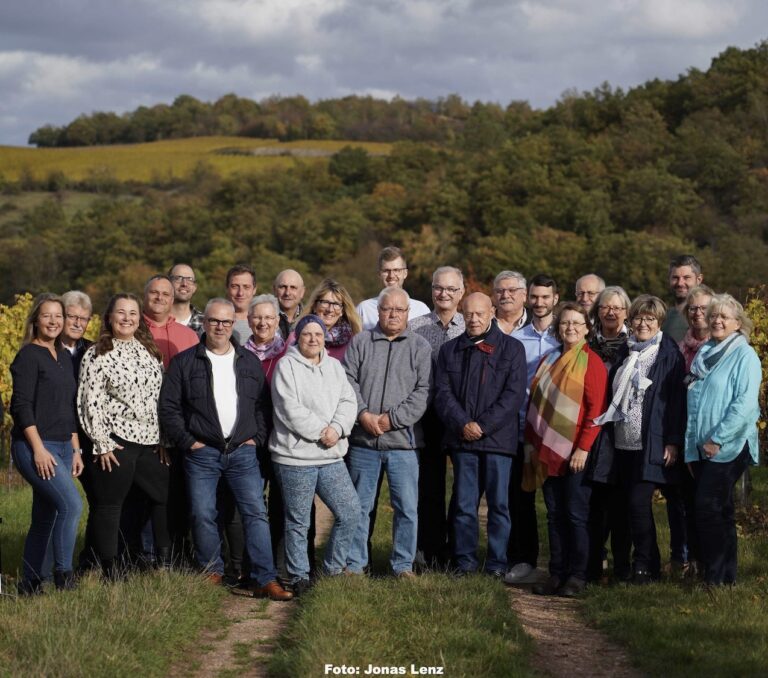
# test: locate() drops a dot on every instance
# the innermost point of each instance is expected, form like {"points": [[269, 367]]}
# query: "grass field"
{"points": [[163, 160]]}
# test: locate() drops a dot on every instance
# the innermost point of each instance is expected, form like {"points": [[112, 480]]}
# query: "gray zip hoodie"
{"points": [[393, 377], [307, 398]]}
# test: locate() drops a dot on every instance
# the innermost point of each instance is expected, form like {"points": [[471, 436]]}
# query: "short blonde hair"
{"points": [[720, 301], [647, 304]]}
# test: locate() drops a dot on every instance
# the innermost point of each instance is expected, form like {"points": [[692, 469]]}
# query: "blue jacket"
{"points": [[723, 407], [663, 420], [188, 411], [480, 386]]}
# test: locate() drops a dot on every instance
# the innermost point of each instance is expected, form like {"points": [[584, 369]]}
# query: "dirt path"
{"points": [[243, 647], [565, 645]]}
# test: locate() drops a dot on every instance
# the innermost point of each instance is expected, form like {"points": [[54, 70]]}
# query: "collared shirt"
{"points": [[537, 345], [195, 321], [287, 326], [523, 322], [431, 328]]}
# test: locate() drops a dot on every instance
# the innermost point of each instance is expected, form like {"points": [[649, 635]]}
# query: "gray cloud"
{"points": [[58, 60]]}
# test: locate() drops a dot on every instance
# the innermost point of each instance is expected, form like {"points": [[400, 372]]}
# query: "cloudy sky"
{"points": [[60, 58]]}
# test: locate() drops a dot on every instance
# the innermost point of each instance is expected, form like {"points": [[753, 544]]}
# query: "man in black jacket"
{"points": [[214, 405]]}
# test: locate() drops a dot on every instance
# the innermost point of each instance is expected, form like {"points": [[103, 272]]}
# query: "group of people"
{"points": [[223, 424]]}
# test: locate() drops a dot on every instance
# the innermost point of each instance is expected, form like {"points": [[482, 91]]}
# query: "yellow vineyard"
{"points": [[163, 160]]}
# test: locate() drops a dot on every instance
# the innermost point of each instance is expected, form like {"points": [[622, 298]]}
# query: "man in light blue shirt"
{"points": [[538, 341]]}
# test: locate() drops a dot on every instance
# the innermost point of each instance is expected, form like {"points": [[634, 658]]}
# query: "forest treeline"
{"points": [[608, 181]]}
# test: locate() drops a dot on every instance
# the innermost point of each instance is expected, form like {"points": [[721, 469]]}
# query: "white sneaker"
{"points": [[518, 574]]}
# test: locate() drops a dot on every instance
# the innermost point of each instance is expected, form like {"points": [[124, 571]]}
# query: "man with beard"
{"points": [[684, 275], [184, 287], [538, 341]]}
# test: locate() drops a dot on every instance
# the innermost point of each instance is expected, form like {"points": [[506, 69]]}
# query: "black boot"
{"points": [[164, 559], [65, 581], [112, 570], [30, 587]]}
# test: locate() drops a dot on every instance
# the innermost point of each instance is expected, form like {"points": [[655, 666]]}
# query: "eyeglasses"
{"points": [[219, 322], [586, 293], [693, 310], [438, 289], [393, 310], [182, 279], [571, 323], [501, 291], [396, 271], [644, 320], [614, 309], [78, 318], [333, 305]]}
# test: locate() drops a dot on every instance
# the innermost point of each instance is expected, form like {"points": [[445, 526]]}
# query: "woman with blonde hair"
{"points": [[44, 443], [721, 438]]}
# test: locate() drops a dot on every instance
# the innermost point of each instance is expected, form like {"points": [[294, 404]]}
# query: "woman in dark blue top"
{"points": [[45, 445]]}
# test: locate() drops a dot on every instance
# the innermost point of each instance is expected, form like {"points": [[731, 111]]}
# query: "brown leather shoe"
{"points": [[214, 578], [273, 591]]}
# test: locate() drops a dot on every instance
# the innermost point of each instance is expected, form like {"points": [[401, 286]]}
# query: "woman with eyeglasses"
{"points": [[609, 315], [331, 302], [567, 393], [44, 443], [695, 311], [643, 429], [266, 342], [721, 438]]}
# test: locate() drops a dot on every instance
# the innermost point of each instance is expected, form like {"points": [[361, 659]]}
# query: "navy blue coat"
{"points": [[188, 411], [663, 421], [481, 386]]}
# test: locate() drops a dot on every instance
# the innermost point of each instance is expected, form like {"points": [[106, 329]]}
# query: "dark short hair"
{"points": [[685, 260], [543, 280], [239, 269], [159, 276], [390, 254], [561, 308]]}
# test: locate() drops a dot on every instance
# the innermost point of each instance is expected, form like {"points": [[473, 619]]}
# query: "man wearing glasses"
{"points": [[509, 294], [588, 287], [442, 324], [388, 368], [393, 271], [214, 406], [184, 287]]}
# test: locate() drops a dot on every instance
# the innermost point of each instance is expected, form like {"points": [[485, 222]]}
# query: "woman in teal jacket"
{"points": [[721, 437]]}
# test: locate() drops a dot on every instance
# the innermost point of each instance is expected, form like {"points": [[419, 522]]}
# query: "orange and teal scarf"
{"points": [[557, 390]]}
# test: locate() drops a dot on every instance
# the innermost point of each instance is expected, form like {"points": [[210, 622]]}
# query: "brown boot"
{"points": [[273, 591]]}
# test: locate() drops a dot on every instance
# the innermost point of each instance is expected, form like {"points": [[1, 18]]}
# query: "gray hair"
{"points": [[448, 269], [265, 299], [504, 275], [77, 298], [607, 293], [600, 281], [719, 301], [218, 300], [389, 291]]}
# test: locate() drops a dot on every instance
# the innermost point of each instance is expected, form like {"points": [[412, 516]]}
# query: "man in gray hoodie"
{"points": [[388, 367]]}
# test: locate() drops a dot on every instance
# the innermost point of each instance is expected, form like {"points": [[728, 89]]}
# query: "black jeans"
{"points": [[139, 466], [715, 522], [432, 538], [523, 544]]}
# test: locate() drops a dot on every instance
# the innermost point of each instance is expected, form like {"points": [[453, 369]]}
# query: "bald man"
{"points": [[289, 290], [480, 382]]}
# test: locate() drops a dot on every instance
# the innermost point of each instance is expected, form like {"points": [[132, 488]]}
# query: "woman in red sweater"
{"points": [[567, 393]]}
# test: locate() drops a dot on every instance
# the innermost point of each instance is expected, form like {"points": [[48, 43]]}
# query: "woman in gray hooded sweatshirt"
{"points": [[314, 411]]}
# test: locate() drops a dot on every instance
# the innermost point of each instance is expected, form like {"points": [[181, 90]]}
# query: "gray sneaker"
{"points": [[519, 574]]}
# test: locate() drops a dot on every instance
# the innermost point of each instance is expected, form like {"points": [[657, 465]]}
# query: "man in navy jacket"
{"points": [[214, 406], [479, 389]]}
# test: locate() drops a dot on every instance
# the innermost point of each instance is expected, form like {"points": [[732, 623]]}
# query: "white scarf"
{"points": [[628, 380]]}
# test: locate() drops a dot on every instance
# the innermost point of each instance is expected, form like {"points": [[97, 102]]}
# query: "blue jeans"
{"points": [[56, 508], [402, 469], [567, 498], [473, 474], [240, 469], [332, 484]]}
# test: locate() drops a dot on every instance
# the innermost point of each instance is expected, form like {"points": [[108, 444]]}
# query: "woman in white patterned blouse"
{"points": [[120, 381]]}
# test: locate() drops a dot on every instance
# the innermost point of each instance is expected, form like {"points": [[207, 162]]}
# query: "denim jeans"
{"points": [[715, 520], [567, 498], [402, 469], [333, 485], [56, 508], [473, 474], [240, 469]]}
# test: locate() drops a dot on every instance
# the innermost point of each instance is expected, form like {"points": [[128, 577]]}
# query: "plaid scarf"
{"points": [[557, 390]]}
